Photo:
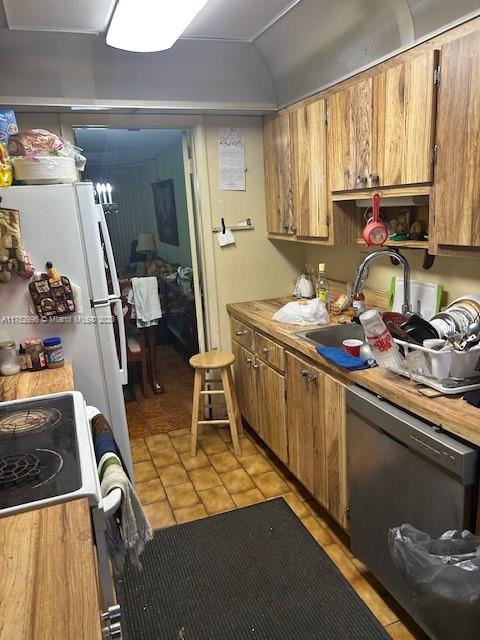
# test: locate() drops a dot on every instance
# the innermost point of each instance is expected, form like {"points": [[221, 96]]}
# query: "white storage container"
{"points": [[44, 170]]}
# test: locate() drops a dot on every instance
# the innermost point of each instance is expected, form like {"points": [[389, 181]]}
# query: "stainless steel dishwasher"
{"points": [[402, 470]]}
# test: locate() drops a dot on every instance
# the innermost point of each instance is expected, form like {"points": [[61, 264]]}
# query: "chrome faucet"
{"points": [[362, 273]]}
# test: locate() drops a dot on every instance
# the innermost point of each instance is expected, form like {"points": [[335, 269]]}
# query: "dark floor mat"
{"points": [[250, 573]]}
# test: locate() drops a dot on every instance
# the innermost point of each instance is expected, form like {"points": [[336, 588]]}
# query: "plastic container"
{"points": [[54, 352], [384, 349], [44, 170], [9, 361]]}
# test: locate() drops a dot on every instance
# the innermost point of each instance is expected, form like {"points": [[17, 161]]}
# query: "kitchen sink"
{"points": [[333, 336]]}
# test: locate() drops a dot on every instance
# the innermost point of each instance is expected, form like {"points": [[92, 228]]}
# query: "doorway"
{"points": [[142, 177]]}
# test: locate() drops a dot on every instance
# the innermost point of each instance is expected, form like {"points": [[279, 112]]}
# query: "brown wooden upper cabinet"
{"points": [[381, 129], [457, 172], [309, 149], [278, 175]]}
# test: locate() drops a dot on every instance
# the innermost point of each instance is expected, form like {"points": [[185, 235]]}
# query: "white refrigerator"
{"points": [[63, 225]]}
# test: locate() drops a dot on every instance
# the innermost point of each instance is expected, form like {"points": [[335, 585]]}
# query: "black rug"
{"points": [[251, 573]]}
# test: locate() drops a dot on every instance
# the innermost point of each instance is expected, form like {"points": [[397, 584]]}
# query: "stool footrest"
{"points": [[214, 422], [212, 392]]}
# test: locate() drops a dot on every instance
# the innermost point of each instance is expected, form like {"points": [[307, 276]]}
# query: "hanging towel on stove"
{"points": [[126, 535], [144, 296], [103, 439]]}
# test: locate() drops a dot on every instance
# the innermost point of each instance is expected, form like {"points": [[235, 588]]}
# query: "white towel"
{"points": [[144, 295], [135, 527]]}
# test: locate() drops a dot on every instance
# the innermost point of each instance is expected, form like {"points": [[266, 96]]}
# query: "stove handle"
{"points": [[111, 502]]}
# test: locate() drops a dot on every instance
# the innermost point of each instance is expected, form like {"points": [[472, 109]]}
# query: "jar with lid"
{"points": [[54, 353], [9, 361], [35, 354]]}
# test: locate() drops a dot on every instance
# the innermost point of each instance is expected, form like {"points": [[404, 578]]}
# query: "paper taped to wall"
{"points": [[231, 158], [225, 238]]}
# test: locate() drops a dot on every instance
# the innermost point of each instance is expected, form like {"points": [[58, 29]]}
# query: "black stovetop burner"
{"points": [[38, 450]]}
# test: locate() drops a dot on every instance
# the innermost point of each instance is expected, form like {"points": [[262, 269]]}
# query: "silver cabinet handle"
{"points": [[241, 333], [311, 378], [256, 366], [248, 360], [304, 373], [265, 350], [361, 181], [373, 180], [113, 614]]}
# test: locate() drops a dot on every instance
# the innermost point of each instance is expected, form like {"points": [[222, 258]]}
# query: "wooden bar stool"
{"points": [[202, 362]]}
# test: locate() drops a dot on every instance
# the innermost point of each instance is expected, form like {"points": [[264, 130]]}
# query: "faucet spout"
{"points": [[362, 273]]}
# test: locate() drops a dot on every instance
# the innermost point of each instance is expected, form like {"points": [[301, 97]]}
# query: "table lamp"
{"points": [[146, 245]]}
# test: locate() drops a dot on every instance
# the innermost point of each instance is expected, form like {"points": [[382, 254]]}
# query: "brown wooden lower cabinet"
{"points": [[316, 418], [301, 416], [261, 396]]}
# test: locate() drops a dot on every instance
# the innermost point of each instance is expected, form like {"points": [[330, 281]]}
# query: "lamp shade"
{"points": [[146, 243]]}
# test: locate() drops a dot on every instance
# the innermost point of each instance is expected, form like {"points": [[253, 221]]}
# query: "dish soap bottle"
{"points": [[322, 289]]}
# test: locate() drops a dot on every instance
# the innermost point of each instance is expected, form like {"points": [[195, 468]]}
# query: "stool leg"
{"points": [[235, 402], [197, 387], [231, 412]]}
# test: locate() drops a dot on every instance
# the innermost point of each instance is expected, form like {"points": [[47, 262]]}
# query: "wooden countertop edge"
{"points": [[450, 413], [28, 384]]}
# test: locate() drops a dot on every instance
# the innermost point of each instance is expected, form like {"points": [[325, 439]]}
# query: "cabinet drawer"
{"points": [[270, 352], [242, 334]]}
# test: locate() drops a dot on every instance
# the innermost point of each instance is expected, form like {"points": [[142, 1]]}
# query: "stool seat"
{"points": [[212, 360], [223, 361]]}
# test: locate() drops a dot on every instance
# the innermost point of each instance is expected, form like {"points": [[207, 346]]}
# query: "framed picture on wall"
{"points": [[165, 211]]}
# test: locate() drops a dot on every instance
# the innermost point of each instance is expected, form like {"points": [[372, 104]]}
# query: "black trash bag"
{"points": [[444, 576]]}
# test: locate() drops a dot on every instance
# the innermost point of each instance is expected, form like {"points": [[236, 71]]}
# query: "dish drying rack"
{"points": [[442, 365]]}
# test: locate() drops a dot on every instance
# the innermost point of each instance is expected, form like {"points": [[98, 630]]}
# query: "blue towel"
{"points": [[343, 359], [104, 443]]}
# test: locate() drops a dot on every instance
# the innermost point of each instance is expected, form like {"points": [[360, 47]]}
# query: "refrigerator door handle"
{"points": [[118, 310], [109, 251]]}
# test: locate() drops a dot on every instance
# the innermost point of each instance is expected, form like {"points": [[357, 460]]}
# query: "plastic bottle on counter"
{"points": [[384, 349], [322, 289], [35, 354], [54, 353]]}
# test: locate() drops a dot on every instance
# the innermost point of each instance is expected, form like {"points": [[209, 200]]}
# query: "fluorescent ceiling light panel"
{"points": [[150, 25]]}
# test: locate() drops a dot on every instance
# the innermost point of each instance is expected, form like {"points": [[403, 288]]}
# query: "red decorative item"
{"points": [[375, 232]]}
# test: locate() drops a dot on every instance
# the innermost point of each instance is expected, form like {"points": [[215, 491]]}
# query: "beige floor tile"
{"points": [[204, 478], [182, 495], [206, 431], [175, 433], [270, 484], [224, 433], [140, 452], [321, 535], [144, 471], [247, 447], [375, 602], [256, 464], [158, 442], [343, 562], [296, 505], [195, 462], [181, 443], [213, 444], [159, 514], [172, 475], [150, 491], [165, 457], [216, 500], [237, 480], [246, 498], [224, 462], [398, 631], [188, 514]]}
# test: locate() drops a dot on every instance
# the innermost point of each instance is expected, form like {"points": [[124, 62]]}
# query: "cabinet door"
{"points": [[350, 129], [245, 384], [404, 113], [457, 172], [278, 175], [309, 144], [271, 409], [306, 429], [335, 448]]}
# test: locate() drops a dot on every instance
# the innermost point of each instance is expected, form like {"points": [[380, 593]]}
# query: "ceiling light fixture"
{"points": [[150, 25]]}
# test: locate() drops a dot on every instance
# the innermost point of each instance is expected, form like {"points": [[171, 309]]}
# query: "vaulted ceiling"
{"points": [[250, 55]]}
